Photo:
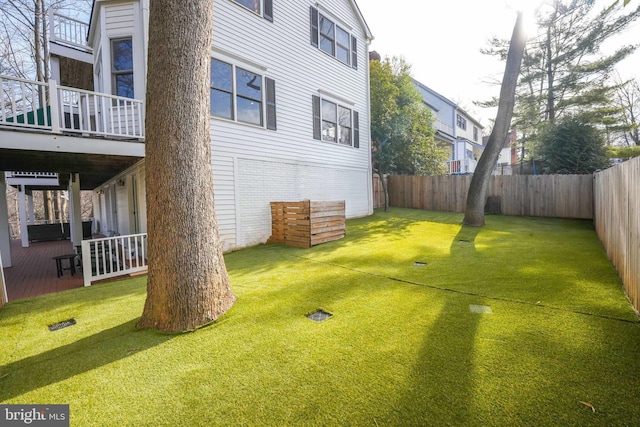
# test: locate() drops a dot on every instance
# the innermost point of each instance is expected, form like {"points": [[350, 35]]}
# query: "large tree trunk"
{"points": [[187, 284], [474, 212], [385, 190]]}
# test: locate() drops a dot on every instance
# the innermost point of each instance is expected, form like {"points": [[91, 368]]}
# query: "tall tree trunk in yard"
{"points": [[187, 284], [385, 190], [474, 211]]}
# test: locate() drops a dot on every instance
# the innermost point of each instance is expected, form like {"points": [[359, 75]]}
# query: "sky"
{"points": [[442, 41]]}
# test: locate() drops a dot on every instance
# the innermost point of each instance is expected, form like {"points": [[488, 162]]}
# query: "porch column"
{"points": [[22, 210], [75, 209], [31, 208], [5, 235]]}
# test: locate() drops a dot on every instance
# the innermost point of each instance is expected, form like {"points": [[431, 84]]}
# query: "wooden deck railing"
{"points": [[113, 256], [60, 109]]}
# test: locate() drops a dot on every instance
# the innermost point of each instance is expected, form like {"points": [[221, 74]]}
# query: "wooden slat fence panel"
{"points": [[305, 224], [617, 220], [560, 196], [378, 193]]}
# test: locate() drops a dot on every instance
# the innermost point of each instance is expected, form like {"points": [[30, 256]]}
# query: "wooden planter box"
{"points": [[305, 224]]}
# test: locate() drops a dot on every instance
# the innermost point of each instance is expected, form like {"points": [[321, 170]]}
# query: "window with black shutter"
{"points": [[263, 8], [356, 130], [332, 39], [335, 123], [271, 103], [354, 52], [317, 132], [240, 95], [313, 16]]}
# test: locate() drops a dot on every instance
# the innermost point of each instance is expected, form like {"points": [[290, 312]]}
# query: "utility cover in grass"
{"points": [[319, 315], [480, 309], [419, 263], [63, 324]]}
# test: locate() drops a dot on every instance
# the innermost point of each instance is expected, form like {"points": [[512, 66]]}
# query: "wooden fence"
{"points": [[560, 196], [617, 221], [378, 193]]}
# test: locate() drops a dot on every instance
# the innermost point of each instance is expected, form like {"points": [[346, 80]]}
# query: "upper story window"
{"points": [[241, 95], [333, 122], [260, 7], [122, 67], [461, 122], [333, 39], [475, 134]]}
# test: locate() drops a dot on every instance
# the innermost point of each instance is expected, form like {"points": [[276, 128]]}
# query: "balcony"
{"points": [[68, 31], [48, 107], [461, 167]]}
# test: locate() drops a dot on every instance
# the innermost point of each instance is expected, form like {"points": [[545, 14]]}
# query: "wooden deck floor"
{"points": [[34, 271]]}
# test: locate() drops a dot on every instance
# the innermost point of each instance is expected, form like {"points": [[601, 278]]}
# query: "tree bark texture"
{"points": [[188, 285], [474, 211]]}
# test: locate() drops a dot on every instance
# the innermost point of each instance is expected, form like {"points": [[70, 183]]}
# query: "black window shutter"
{"points": [[268, 10], [313, 12], [317, 132], [356, 130], [271, 103], [354, 52]]}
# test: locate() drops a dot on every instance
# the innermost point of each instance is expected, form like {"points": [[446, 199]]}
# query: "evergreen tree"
{"points": [[564, 73], [572, 147]]}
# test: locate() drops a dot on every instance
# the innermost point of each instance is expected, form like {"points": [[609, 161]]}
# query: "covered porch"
{"points": [[34, 271]]}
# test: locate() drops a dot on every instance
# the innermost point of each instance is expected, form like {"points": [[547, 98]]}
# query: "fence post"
{"points": [[86, 262], [54, 106]]}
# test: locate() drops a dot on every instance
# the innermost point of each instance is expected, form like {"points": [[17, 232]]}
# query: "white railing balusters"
{"points": [[69, 110], [69, 31], [113, 256]]}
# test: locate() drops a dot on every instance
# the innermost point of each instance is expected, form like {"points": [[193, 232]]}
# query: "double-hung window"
{"points": [[333, 122], [263, 8], [331, 38], [241, 95], [461, 122], [122, 67]]}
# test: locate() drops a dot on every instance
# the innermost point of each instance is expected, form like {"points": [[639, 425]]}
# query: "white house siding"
{"points": [[119, 217], [291, 182], [224, 192], [288, 164], [253, 166], [468, 133], [119, 19]]}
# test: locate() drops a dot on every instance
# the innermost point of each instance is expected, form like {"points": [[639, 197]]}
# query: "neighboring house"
{"points": [[289, 113], [508, 155], [456, 130]]}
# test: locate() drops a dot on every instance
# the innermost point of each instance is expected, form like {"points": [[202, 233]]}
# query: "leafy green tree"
{"points": [[572, 147], [623, 152], [401, 126]]}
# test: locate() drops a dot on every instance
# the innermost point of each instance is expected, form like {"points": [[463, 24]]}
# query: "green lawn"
{"points": [[402, 347]]}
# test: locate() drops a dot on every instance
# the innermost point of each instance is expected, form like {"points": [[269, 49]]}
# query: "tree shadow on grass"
{"points": [[465, 240], [441, 387], [85, 297], [81, 356]]}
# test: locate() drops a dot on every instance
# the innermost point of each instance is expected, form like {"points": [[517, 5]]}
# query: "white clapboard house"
{"points": [[289, 118]]}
